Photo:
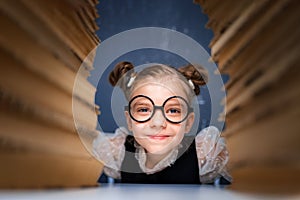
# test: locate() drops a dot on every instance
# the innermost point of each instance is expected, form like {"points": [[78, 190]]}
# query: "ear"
{"points": [[189, 122], [128, 120]]}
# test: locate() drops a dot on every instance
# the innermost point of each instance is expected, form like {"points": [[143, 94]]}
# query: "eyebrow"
{"points": [[141, 103], [175, 104]]}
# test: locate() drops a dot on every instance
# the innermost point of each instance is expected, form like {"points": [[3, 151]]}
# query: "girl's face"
{"points": [[159, 136]]}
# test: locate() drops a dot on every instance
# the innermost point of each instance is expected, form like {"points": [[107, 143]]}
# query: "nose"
{"points": [[158, 119]]}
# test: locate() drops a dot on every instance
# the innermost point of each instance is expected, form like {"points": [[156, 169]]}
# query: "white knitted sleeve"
{"points": [[110, 150], [212, 155]]}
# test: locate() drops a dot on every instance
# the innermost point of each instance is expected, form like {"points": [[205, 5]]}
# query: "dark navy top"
{"points": [[184, 170]]}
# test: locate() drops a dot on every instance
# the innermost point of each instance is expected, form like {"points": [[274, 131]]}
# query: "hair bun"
{"points": [[196, 73], [119, 71]]}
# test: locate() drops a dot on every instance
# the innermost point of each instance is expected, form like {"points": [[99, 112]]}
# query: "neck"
{"points": [[153, 159]]}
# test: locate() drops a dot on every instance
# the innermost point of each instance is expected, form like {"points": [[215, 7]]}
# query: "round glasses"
{"points": [[175, 109]]}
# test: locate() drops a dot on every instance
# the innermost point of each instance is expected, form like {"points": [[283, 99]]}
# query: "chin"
{"points": [[157, 150]]}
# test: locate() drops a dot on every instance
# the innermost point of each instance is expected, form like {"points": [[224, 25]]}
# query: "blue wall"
{"points": [[121, 15]]}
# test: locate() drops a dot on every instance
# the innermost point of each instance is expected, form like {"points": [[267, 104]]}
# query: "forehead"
{"points": [[159, 92]]}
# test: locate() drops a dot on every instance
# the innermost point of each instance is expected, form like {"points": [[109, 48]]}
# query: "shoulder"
{"points": [[117, 139], [206, 140], [210, 133], [209, 130], [121, 132]]}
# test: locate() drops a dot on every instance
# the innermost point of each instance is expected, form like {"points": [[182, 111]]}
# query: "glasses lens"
{"points": [[176, 109], [141, 109]]}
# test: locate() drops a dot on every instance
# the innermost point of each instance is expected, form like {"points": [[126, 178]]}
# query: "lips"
{"points": [[159, 137]]}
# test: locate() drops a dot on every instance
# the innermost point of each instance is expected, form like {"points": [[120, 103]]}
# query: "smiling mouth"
{"points": [[159, 137]]}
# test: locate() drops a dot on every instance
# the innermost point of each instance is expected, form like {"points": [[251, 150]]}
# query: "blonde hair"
{"points": [[124, 71]]}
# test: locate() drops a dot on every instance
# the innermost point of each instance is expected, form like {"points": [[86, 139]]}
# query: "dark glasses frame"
{"points": [[155, 107]]}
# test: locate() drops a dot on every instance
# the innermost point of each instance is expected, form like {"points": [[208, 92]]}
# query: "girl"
{"points": [[156, 148]]}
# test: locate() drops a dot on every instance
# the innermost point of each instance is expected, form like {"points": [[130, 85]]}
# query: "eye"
{"points": [[174, 111], [143, 110]]}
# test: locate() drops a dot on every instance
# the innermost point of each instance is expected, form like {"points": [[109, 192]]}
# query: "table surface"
{"points": [[137, 191]]}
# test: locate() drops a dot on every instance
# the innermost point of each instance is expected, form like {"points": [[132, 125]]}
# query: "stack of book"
{"points": [[257, 44], [45, 51]]}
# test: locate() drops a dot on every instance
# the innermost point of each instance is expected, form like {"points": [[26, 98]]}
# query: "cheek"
{"points": [[137, 128], [178, 128]]}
